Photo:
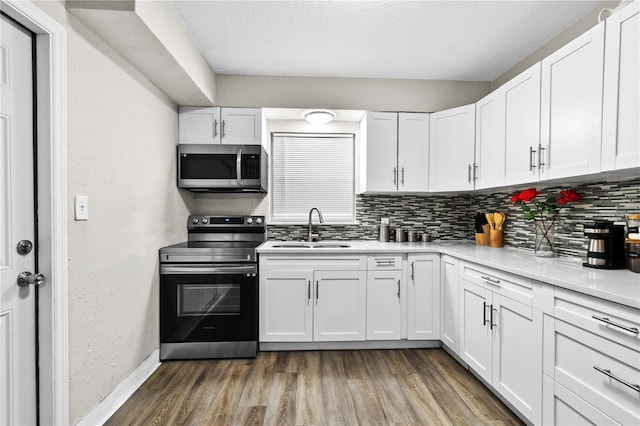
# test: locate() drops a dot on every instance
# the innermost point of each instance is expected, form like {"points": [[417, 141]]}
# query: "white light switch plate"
{"points": [[81, 207]]}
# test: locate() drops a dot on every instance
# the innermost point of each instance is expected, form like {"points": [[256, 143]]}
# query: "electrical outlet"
{"points": [[81, 207]]}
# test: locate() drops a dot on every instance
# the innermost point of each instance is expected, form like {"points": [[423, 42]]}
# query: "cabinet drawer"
{"points": [[603, 373], [384, 262], [297, 262], [606, 319], [504, 283]]}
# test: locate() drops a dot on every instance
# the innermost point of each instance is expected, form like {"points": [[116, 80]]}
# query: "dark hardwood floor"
{"points": [[374, 387]]}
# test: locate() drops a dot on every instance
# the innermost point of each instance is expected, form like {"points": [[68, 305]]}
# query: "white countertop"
{"points": [[620, 286]]}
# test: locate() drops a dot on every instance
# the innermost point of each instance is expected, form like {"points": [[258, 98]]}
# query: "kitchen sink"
{"points": [[303, 244]]}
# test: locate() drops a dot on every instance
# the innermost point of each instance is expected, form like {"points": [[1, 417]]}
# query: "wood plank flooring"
{"points": [[374, 387]]}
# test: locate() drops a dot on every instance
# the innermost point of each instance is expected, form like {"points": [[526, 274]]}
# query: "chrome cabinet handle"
{"points": [[215, 128], [541, 156], [412, 278], [475, 169], [309, 290], [616, 378], [469, 174], [317, 291], [491, 280], [484, 313], [491, 323], [607, 321], [402, 179], [223, 128], [398, 289], [385, 262], [395, 177], [531, 153]]}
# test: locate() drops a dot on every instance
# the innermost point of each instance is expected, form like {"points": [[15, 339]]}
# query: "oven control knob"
{"points": [[249, 220], [205, 220], [195, 220], [259, 221]]}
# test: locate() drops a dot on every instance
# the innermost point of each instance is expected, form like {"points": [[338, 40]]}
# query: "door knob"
{"points": [[24, 247], [26, 278]]}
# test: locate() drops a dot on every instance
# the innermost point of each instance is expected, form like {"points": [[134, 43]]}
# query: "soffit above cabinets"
{"points": [[430, 40], [152, 38]]}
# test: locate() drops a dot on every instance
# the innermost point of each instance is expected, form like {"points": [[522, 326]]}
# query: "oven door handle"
{"points": [[207, 269]]}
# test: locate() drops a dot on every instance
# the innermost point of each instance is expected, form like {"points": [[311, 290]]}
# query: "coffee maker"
{"points": [[606, 245]]}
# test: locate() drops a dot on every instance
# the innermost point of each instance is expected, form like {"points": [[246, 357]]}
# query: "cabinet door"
{"points": [[490, 140], [475, 331], [571, 107], [383, 305], [423, 297], [413, 152], [286, 306], [621, 114], [381, 159], [517, 355], [449, 319], [340, 306], [199, 125], [522, 127], [241, 126], [451, 145]]}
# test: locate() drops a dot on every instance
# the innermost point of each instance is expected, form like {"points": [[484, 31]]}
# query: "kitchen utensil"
{"points": [[490, 220], [478, 222], [498, 219]]}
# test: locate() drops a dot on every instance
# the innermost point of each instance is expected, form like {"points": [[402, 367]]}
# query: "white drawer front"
{"points": [[579, 355], [381, 262], [295, 262], [504, 283], [610, 320]]}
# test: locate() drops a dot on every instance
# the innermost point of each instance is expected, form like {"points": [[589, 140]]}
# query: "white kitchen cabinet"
{"points": [[236, 126], [384, 307], [501, 338], [571, 107], [490, 140], [395, 152], [423, 297], [286, 306], [621, 109], [451, 149], [522, 127], [449, 302], [312, 299]]}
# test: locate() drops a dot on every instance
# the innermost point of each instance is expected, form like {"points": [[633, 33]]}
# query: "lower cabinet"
{"points": [[384, 305], [423, 297], [449, 302], [501, 340], [308, 305]]}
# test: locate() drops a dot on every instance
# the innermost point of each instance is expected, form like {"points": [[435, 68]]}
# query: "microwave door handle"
{"points": [[239, 166]]}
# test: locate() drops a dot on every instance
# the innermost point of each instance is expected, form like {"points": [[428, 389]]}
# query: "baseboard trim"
{"points": [[105, 409], [364, 345]]}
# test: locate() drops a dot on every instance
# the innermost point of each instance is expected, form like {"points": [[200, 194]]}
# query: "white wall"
{"points": [[122, 133], [347, 93]]}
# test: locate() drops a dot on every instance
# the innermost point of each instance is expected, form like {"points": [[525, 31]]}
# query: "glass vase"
{"points": [[544, 245]]}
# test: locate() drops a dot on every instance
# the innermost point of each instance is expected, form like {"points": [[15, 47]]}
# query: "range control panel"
{"points": [[210, 222]]}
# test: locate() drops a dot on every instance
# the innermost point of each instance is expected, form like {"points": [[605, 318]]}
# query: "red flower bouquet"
{"points": [[544, 214]]}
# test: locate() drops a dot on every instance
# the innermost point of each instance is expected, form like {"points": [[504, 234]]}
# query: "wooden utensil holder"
{"points": [[482, 239], [495, 238]]}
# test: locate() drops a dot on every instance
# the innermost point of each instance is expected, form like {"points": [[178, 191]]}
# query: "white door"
{"points": [[490, 140], [199, 125], [383, 305], [413, 152], [340, 306], [17, 303], [475, 331], [381, 159], [449, 318], [451, 145]]}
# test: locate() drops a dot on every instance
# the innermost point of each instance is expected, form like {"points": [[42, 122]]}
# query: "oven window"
{"points": [[208, 166], [208, 299]]}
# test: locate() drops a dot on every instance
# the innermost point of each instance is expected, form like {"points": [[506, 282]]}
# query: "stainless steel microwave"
{"points": [[222, 168]]}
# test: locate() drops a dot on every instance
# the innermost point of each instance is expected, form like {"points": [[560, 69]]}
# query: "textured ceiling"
{"points": [[439, 40]]}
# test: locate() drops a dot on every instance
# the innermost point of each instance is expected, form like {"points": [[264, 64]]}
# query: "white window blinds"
{"points": [[310, 170]]}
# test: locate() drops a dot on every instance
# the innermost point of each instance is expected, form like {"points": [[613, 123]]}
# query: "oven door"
{"points": [[208, 303]]}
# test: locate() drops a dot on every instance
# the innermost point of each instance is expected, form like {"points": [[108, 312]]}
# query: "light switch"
{"points": [[81, 207]]}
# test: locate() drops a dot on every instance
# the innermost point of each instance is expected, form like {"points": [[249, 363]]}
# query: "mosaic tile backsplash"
{"points": [[450, 217]]}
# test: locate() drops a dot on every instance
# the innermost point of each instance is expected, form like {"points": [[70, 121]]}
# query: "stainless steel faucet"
{"points": [[310, 234]]}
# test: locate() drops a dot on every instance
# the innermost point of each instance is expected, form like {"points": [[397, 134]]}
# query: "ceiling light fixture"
{"points": [[319, 116]]}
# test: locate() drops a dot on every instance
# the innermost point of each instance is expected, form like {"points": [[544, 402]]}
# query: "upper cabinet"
{"points": [[621, 115], [451, 152], [490, 140], [571, 107], [395, 149], [233, 126]]}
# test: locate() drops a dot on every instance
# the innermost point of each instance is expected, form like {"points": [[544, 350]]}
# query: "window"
{"points": [[312, 170]]}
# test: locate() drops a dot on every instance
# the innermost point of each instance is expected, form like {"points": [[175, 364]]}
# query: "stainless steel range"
{"points": [[209, 289]]}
